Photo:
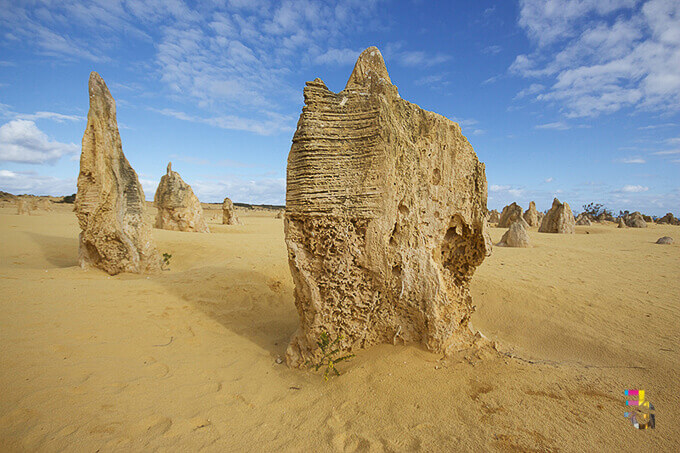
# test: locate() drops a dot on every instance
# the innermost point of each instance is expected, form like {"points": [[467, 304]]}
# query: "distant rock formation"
{"points": [[178, 207], [279, 215], [516, 236], [511, 213], [622, 223], [110, 202], [583, 219], [634, 220], [23, 207], [384, 220], [531, 215], [665, 240], [559, 219], [647, 218], [44, 204], [605, 217], [494, 216], [229, 216], [668, 219]]}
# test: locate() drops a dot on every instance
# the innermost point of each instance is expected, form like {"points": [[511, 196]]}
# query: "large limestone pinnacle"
{"points": [[110, 202], [178, 206], [385, 218]]}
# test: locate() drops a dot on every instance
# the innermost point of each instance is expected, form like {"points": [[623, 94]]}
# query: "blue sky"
{"points": [[578, 99]]}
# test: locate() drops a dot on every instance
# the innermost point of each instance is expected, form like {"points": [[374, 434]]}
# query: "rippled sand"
{"points": [[186, 360]]}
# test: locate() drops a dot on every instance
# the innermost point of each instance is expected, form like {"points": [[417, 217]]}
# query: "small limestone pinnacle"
{"points": [[169, 167]]}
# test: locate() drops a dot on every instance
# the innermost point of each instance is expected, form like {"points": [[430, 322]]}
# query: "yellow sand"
{"points": [[186, 360]]}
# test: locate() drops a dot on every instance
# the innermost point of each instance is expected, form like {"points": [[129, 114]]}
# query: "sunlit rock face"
{"points": [[385, 218], [559, 219], [178, 207], [110, 201]]}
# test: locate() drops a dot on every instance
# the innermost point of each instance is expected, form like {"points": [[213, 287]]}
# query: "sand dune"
{"points": [[186, 360]]}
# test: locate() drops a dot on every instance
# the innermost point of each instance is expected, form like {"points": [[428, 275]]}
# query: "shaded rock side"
{"points": [[668, 219], [494, 216], [110, 202], [622, 223], [531, 215], [384, 220], [178, 207], [634, 220], [229, 216], [510, 214], [559, 219], [516, 236]]}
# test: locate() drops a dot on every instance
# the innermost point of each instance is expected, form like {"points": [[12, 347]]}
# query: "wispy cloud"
{"points": [[558, 126], [633, 160], [274, 124], [634, 188], [667, 152]]}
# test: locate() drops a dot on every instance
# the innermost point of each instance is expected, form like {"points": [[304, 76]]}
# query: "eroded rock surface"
{"points": [[634, 220], [668, 219], [384, 220], [516, 236], [531, 215], [229, 216], [110, 201], [178, 207], [511, 213], [494, 216], [22, 207], [667, 240], [559, 219], [583, 219]]}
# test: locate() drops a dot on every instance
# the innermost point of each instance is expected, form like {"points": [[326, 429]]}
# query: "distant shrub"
{"points": [[596, 209], [68, 199]]}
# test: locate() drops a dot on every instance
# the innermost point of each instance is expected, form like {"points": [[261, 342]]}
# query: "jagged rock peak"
{"points": [[369, 68]]}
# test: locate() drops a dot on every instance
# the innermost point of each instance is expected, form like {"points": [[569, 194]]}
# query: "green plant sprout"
{"points": [[329, 350], [166, 261]]}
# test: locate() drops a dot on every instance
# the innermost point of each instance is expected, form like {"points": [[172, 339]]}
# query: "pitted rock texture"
{"points": [[110, 201], [516, 236], [229, 216], [511, 213], [559, 219], [531, 215], [384, 220], [666, 240], [178, 207], [494, 216]]}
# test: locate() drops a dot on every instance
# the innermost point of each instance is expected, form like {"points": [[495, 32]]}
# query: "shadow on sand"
{"points": [[59, 251], [246, 302]]}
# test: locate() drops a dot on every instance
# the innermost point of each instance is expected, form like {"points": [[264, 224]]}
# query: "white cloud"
{"points": [[655, 126], [478, 132], [667, 152], [602, 56], [33, 183], [634, 189], [551, 179], [464, 121], [558, 126], [633, 160], [498, 188], [240, 189], [21, 141]]}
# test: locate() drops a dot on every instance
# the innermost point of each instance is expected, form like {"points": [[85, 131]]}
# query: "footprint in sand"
{"points": [[154, 426]]}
